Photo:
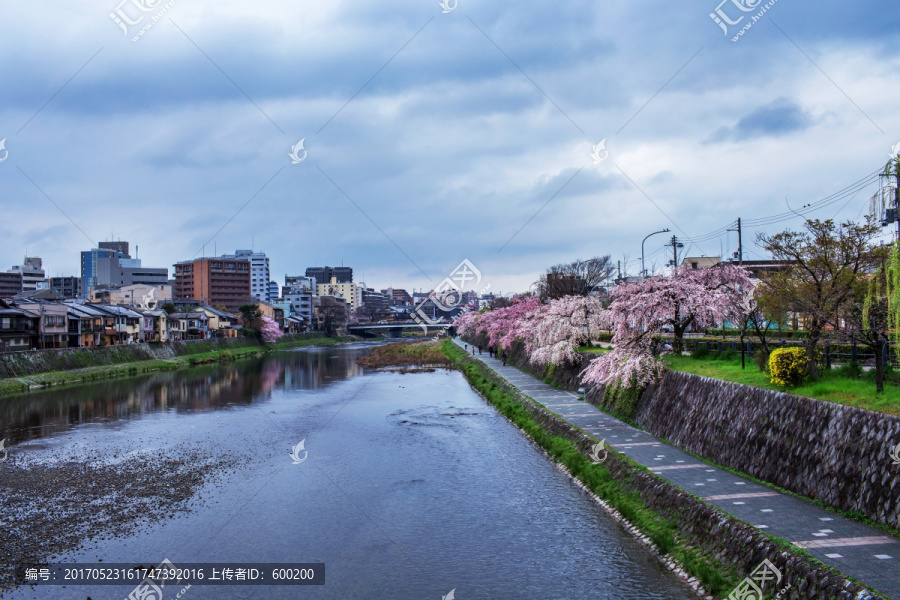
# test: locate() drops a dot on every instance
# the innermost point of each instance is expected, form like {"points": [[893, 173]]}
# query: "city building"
{"points": [[397, 297], [298, 281], [111, 264], [53, 322], [220, 323], [330, 314], [348, 291], [273, 291], [18, 329], [188, 325], [32, 273], [156, 326], [259, 272], [299, 293], [325, 274], [10, 284], [214, 281], [148, 297], [68, 287], [273, 311]]}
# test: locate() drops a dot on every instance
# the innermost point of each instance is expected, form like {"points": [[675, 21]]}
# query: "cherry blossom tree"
{"points": [[554, 331], [270, 331], [500, 325], [693, 297]]}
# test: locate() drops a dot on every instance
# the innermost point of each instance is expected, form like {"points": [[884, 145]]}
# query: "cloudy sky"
{"points": [[431, 137]]}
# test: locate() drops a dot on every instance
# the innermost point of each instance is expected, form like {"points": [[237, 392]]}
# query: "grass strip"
{"points": [[716, 577], [833, 386], [661, 531], [18, 385]]}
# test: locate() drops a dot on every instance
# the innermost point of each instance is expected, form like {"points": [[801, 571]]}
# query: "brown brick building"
{"points": [[213, 281]]}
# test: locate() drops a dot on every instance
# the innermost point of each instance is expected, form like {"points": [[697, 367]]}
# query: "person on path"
{"points": [[491, 351], [466, 346], [473, 350], [479, 349], [503, 356]]}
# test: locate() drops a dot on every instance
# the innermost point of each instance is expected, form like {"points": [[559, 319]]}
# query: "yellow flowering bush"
{"points": [[788, 366]]}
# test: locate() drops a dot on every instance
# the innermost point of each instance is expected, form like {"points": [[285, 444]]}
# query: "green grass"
{"points": [[594, 349], [19, 385], [715, 577], [400, 354], [832, 387], [663, 532]]}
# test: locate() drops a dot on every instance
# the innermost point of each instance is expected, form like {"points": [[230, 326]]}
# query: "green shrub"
{"points": [[851, 370], [729, 354], [788, 366], [701, 351], [761, 358]]}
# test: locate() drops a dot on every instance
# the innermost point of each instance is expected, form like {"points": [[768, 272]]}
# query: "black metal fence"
{"points": [[833, 353]]}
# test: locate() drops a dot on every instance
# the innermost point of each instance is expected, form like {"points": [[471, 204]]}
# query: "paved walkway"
{"points": [[865, 553]]}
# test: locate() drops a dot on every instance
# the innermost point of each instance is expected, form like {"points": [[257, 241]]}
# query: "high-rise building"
{"points": [[273, 291], [32, 273], [214, 281], [69, 287], [121, 247], [259, 273], [110, 264], [325, 274]]}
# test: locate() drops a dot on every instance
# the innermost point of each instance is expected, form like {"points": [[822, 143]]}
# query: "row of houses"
{"points": [[41, 324]]}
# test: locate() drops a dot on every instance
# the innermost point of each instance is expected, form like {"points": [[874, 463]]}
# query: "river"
{"points": [[412, 485]]}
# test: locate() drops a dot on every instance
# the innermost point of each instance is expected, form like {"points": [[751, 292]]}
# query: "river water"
{"points": [[412, 487]]}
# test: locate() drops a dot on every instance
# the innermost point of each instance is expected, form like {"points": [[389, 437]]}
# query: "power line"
{"points": [[851, 191]]}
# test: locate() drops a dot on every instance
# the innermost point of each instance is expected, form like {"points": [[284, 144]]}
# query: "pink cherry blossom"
{"points": [[270, 331]]}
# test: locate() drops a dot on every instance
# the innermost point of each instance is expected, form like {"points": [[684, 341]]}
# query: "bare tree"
{"points": [[824, 265], [577, 278]]}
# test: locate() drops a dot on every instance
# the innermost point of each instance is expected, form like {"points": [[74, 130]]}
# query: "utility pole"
{"points": [[740, 243], [675, 246]]}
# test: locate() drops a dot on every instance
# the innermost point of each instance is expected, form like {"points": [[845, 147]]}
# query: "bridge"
{"points": [[395, 330]]}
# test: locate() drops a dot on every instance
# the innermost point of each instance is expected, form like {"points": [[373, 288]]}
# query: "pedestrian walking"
{"points": [[479, 349], [491, 351], [503, 356], [473, 350]]}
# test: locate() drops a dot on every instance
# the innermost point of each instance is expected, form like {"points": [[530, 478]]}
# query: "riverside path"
{"points": [[865, 553]]}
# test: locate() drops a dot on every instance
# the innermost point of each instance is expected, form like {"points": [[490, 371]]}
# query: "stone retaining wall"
{"points": [[829, 452], [837, 454], [730, 542], [22, 364]]}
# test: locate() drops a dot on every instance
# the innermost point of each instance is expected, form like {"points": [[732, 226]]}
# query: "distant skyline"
{"points": [[516, 136]]}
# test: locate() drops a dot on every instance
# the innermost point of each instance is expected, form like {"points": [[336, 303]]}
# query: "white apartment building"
{"points": [[259, 273], [32, 273]]}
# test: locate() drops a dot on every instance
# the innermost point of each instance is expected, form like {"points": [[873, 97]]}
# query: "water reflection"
{"points": [[46, 413]]}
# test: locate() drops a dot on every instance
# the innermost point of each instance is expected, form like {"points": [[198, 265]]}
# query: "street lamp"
{"points": [[643, 269]]}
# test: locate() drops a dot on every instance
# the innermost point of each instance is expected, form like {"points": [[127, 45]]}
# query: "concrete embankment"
{"points": [[836, 454], [22, 371], [709, 544]]}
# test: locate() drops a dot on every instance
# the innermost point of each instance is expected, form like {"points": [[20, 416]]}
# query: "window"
{"points": [[49, 321], [5, 323]]}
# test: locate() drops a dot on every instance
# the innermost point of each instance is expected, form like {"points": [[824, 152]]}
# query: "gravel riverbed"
{"points": [[49, 509]]}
